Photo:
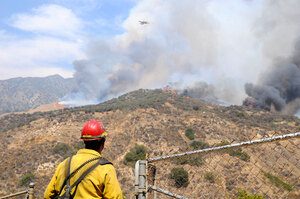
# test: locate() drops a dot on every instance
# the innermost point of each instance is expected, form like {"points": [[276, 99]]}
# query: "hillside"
{"points": [[158, 121], [21, 94]]}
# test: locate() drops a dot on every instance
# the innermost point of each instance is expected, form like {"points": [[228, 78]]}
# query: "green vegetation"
{"points": [[223, 143], [63, 149], [240, 115], [195, 160], [189, 133], [240, 154], [244, 195], [199, 145], [79, 145], [210, 177], [236, 152], [66, 150], [180, 176], [196, 108], [137, 153], [278, 182], [258, 118], [26, 179], [12, 121], [131, 101]]}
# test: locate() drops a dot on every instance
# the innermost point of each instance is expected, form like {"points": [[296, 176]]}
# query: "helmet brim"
{"points": [[90, 138]]}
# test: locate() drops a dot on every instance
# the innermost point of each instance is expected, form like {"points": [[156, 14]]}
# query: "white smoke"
{"points": [[222, 43]]}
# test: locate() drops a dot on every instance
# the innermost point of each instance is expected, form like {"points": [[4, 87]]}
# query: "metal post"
{"points": [[154, 182], [136, 179], [140, 179], [31, 191]]}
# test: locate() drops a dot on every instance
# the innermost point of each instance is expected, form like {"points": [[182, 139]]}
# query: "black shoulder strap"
{"points": [[102, 161], [74, 172], [67, 179]]}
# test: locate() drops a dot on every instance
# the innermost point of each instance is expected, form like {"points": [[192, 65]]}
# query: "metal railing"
{"points": [[29, 193], [282, 162]]}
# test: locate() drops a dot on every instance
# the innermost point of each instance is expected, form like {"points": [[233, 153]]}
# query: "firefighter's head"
{"points": [[94, 134]]}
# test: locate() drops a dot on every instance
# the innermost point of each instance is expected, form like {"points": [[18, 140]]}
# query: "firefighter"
{"points": [[86, 175]]}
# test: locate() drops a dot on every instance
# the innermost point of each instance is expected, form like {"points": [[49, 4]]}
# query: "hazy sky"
{"points": [[44, 37]]}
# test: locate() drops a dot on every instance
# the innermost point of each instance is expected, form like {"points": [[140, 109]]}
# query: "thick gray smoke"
{"points": [[279, 87], [222, 43], [280, 84]]}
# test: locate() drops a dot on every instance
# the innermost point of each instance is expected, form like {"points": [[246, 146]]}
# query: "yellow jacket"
{"points": [[99, 183]]}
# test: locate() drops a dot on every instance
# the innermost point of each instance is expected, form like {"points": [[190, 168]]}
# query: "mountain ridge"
{"points": [[21, 94]]}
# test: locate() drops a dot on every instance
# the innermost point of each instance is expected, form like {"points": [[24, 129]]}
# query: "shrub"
{"points": [[240, 115], [223, 143], [63, 149], [141, 151], [196, 108], [244, 195], [278, 182], [192, 160], [210, 177], [180, 176], [236, 152], [199, 145], [26, 179], [189, 133], [79, 145], [240, 154], [137, 153]]}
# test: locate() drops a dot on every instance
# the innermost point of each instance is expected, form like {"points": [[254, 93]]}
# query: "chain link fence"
{"points": [[268, 167]]}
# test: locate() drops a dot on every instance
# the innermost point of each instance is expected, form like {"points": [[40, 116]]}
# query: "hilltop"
{"points": [[158, 120]]}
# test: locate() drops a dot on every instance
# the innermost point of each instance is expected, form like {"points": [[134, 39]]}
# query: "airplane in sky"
{"points": [[144, 22]]}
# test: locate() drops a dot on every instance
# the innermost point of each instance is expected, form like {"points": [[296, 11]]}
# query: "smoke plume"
{"points": [[280, 87], [280, 83], [223, 44], [200, 90]]}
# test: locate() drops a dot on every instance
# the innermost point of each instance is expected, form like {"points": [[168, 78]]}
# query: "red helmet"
{"points": [[93, 130]]}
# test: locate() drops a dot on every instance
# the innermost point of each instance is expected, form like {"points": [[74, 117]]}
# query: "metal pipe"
{"points": [[219, 148], [166, 192], [13, 195]]}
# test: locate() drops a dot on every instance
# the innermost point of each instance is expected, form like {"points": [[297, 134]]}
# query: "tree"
{"points": [[135, 154]]}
